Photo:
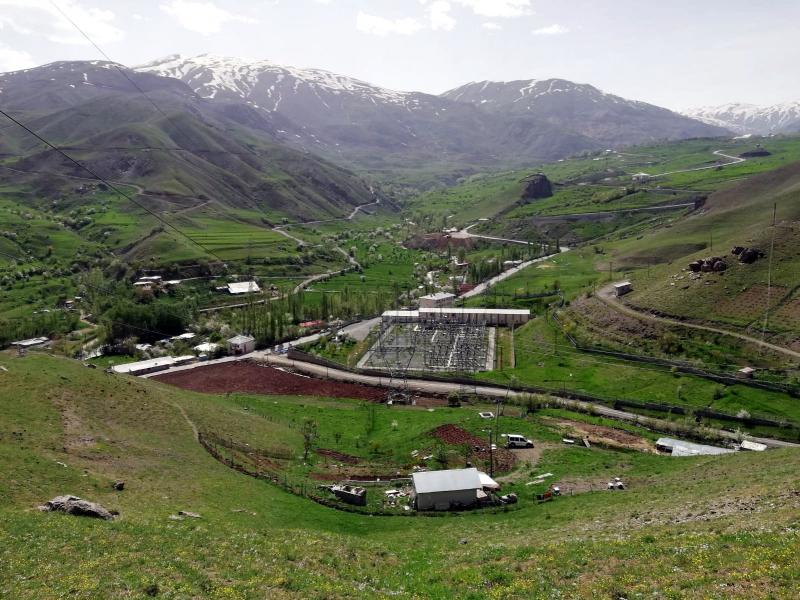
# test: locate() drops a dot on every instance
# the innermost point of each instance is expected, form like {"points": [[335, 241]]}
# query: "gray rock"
{"points": [[73, 505]]}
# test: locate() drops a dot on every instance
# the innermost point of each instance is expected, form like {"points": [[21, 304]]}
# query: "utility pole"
{"points": [[774, 212], [491, 456]]}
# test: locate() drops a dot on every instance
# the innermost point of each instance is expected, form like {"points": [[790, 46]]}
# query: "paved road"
{"points": [[733, 161], [438, 387], [606, 294], [506, 274]]}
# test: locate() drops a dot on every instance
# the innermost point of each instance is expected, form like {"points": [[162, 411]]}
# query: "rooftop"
{"points": [[243, 287], [241, 339], [457, 311], [682, 448], [31, 342], [163, 361], [446, 481], [438, 296]]}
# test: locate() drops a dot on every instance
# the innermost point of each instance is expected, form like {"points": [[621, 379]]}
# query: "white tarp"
{"points": [[488, 482]]}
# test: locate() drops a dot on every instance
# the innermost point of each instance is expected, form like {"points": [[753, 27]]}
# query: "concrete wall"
{"points": [[237, 349], [447, 500]]}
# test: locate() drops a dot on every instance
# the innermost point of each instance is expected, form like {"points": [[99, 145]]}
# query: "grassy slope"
{"points": [[740, 215], [739, 538]]}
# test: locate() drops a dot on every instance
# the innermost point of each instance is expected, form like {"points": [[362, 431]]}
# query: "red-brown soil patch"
{"points": [[607, 436], [339, 456], [439, 241], [248, 377], [454, 435]]}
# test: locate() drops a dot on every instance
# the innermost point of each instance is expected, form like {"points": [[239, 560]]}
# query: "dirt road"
{"points": [[438, 387], [606, 294]]}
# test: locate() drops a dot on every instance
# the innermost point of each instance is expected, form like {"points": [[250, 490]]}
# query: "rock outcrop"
{"points": [[537, 186], [72, 505]]}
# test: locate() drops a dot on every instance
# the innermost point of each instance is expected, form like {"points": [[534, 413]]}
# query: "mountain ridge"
{"points": [[747, 118], [375, 127]]}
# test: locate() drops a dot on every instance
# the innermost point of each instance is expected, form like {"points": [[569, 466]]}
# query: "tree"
{"points": [[309, 431]]}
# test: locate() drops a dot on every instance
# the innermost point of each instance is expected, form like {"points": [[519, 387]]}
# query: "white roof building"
{"points": [[206, 347], [153, 365], [449, 480], [183, 336], [683, 448], [31, 342], [243, 287], [484, 316]]}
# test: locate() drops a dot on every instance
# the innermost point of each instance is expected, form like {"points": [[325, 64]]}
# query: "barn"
{"points": [[446, 490]]}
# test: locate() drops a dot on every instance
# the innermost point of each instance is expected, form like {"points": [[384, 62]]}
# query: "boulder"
{"points": [[118, 485], [750, 255], [537, 186], [73, 505], [720, 266]]}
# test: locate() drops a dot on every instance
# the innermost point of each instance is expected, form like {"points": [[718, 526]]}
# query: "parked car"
{"points": [[514, 440]]}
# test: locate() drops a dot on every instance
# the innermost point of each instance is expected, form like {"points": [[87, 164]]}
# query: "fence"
{"points": [[680, 366], [747, 420]]}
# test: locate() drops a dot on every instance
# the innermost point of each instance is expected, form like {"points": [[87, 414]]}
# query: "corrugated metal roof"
{"points": [[450, 480], [243, 287], [682, 448]]}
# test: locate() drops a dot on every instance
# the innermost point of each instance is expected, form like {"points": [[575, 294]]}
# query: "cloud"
{"points": [[492, 26], [554, 29], [498, 8], [440, 17], [382, 26], [14, 60], [41, 18], [202, 17]]}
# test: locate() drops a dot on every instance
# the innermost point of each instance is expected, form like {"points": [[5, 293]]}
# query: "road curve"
{"points": [[606, 294]]}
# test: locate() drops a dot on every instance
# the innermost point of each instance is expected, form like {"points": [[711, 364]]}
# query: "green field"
{"points": [[683, 528]]}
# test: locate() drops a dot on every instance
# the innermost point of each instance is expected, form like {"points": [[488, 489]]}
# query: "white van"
{"points": [[514, 440]]}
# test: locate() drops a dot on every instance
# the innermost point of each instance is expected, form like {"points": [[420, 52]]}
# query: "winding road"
{"points": [[607, 295]]}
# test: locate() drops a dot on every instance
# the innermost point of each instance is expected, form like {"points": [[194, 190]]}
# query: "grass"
{"points": [[684, 528]]}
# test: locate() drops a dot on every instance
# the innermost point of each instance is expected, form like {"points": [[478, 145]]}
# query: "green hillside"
{"points": [[677, 532]]}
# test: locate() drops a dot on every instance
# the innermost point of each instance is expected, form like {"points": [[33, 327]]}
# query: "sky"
{"points": [[676, 53]]}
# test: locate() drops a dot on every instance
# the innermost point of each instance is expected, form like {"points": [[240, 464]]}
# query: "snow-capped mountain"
{"points": [[750, 118], [480, 123], [582, 108]]}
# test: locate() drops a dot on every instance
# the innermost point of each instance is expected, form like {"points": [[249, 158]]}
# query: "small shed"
{"points": [[241, 344], [746, 373], [446, 490], [622, 288], [243, 287]]}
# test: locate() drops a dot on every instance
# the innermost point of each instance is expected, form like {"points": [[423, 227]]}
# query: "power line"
{"points": [[114, 64], [111, 186]]}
